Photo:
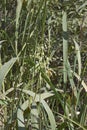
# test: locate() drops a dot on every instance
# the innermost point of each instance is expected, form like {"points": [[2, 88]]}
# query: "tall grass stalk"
{"points": [[33, 94], [65, 45], [18, 13], [65, 53]]}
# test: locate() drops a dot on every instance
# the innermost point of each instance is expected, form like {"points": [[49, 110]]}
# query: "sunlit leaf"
{"points": [[34, 116], [5, 69], [77, 47], [20, 119], [50, 115]]}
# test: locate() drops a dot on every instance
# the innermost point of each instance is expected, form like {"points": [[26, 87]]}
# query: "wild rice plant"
{"points": [[41, 63]]}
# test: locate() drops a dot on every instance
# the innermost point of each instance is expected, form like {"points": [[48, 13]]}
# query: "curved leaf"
{"points": [[5, 69], [50, 115]]}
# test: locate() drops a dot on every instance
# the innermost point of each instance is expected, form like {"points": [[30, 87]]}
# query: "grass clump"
{"points": [[43, 65]]}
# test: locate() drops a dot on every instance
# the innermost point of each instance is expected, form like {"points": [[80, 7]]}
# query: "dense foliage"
{"points": [[43, 64]]}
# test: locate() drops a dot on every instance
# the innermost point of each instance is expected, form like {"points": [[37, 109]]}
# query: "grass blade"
{"points": [[34, 117], [20, 119], [50, 115], [5, 69], [18, 11], [65, 45], [78, 56]]}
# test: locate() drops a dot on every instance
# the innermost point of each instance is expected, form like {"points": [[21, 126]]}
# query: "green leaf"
{"points": [[70, 75], [72, 121], [20, 119], [3, 102], [34, 116], [50, 115], [20, 115], [5, 69], [77, 47], [65, 45], [39, 97], [18, 11], [82, 6], [57, 94]]}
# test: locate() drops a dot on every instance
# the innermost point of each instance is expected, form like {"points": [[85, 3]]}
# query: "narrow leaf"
{"points": [[20, 119], [50, 115], [5, 69], [34, 116], [78, 56]]}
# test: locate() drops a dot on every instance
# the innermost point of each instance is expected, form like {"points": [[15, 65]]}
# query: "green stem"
{"points": [[65, 45]]}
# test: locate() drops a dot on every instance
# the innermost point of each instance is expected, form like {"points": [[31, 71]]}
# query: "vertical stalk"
{"points": [[5, 19], [5, 13], [18, 13], [0, 56], [65, 46], [65, 54]]}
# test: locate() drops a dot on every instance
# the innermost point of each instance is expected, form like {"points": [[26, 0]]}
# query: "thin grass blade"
{"points": [[50, 115], [5, 69]]}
